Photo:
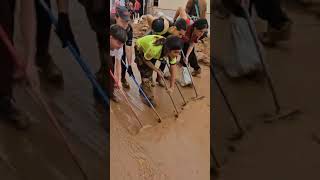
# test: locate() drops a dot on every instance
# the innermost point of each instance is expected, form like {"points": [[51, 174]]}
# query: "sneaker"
{"points": [[13, 114], [273, 35], [49, 68], [196, 72], [125, 83]]}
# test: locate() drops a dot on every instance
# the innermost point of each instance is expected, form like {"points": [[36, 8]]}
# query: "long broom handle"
{"points": [[174, 105], [187, 64], [184, 101], [125, 97], [235, 118], [142, 91], [273, 92], [37, 97], [79, 59]]}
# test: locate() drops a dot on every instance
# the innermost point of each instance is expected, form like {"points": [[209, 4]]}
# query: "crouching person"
{"points": [[150, 49]]}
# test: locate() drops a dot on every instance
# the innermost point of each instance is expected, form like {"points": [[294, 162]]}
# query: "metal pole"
{"points": [[187, 64], [125, 97], [271, 87], [143, 93], [184, 101], [236, 120]]}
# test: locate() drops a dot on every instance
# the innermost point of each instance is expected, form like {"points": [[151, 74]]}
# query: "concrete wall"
{"points": [[174, 4], [169, 7]]}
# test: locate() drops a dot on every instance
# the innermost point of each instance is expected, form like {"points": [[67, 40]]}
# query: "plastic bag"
{"points": [[244, 55], [185, 77]]}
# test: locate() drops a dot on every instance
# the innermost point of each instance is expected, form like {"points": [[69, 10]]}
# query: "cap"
{"points": [[123, 13]]}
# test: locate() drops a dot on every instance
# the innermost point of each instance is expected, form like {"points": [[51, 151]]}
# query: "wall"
{"points": [[174, 4]]}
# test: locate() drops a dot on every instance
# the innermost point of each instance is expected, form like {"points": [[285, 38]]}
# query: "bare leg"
{"points": [[181, 12]]}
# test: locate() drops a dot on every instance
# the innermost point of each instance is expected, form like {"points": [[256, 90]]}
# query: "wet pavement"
{"points": [[284, 149]]}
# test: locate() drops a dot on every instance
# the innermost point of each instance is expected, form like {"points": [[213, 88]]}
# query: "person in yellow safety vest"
{"points": [[148, 50]]}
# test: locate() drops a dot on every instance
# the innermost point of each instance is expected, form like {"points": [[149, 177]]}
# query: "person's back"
{"points": [[148, 46]]}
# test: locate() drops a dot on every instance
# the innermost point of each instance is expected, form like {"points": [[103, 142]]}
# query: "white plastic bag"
{"points": [[244, 54], [185, 77]]}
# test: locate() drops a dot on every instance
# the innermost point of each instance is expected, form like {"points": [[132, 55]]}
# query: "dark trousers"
{"points": [[123, 65], [107, 64], [6, 62], [271, 11], [193, 61], [162, 66], [43, 29]]}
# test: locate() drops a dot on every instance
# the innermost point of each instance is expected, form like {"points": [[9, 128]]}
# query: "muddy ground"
{"points": [[175, 149], [178, 148], [285, 149]]}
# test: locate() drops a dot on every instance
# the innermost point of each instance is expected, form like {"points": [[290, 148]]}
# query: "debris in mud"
{"points": [[203, 51], [139, 29]]}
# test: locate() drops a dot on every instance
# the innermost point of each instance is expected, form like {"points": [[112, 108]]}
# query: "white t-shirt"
{"points": [[117, 53]]}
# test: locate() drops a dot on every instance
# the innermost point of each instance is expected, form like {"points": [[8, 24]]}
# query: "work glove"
{"points": [[64, 31], [130, 72]]}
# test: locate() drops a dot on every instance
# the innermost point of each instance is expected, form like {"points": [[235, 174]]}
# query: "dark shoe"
{"points": [[50, 70], [255, 76], [125, 83], [273, 35], [11, 112], [196, 72]]}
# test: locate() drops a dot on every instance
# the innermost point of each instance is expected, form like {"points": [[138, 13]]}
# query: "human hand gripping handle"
{"points": [[64, 31]]}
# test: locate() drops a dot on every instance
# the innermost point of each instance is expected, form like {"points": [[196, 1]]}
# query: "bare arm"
{"points": [[189, 5], [129, 54], [190, 48], [203, 8]]}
